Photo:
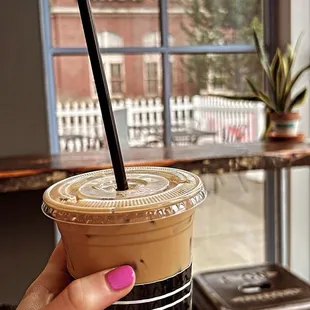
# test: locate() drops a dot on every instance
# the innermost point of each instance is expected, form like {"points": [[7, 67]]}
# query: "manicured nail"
{"points": [[121, 277]]}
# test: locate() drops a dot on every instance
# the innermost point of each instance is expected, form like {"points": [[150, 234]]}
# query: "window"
{"points": [[113, 65], [152, 75], [202, 49], [116, 78], [152, 78], [218, 82]]}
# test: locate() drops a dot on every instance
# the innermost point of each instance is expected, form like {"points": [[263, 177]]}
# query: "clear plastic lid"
{"points": [[92, 198]]}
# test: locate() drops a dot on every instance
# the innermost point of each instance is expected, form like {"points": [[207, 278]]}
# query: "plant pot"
{"points": [[285, 124]]}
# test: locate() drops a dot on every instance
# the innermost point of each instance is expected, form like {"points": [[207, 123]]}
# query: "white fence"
{"points": [[220, 114], [81, 121]]}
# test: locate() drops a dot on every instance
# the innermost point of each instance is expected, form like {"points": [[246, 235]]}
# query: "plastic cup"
{"points": [[149, 226]]}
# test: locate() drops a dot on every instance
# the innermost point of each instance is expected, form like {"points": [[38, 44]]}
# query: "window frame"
{"points": [[164, 50]]}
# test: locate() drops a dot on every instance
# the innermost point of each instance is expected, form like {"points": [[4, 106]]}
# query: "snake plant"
{"points": [[280, 79]]}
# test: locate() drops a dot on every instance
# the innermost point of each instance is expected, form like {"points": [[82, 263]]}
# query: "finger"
{"points": [[55, 276], [50, 282], [95, 292]]}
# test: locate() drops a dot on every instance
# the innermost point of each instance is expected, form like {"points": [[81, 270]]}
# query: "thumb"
{"points": [[95, 292]]}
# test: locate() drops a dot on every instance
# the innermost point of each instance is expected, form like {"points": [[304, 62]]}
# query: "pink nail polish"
{"points": [[120, 277]]}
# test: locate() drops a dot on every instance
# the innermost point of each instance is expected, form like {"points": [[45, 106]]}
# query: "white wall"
{"points": [[300, 178], [23, 110]]}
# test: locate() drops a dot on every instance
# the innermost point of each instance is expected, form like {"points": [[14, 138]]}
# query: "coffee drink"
{"points": [[149, 226]]}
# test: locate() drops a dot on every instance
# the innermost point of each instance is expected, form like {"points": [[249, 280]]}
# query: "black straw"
{"points": [[103, 94]]}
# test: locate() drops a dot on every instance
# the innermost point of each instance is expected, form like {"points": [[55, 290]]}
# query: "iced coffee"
{"points": [[149, 226]]}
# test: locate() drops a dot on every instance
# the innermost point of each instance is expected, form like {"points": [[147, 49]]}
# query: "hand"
{"points": [[55, 290]]}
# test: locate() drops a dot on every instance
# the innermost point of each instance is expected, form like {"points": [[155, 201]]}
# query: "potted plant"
{"points": [[280, 105]]}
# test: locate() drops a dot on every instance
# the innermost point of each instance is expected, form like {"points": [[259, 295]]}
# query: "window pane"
{"points": [[195, 77], [214, 22], [128, 76], [118, 23], [78, 114]]}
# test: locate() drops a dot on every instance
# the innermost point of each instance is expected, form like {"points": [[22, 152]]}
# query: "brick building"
{"points": [[119, 23]]}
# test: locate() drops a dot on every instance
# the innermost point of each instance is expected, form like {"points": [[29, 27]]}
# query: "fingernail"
{"points": [[121, 277]]}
